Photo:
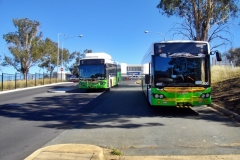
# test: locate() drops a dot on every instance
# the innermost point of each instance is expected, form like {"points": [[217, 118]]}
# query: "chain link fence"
{"points": [[224, 62]]}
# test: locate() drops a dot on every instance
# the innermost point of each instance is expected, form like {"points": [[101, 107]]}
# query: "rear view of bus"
{"points": [[177, 73], [98, 71]]}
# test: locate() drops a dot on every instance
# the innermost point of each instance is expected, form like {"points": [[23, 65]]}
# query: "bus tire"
{"points": [[117, 81], [110, 86], [147, 97], [149, 104]]}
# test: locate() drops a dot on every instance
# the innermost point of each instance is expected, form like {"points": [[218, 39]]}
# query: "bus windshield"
{"points": [[91, 71], [180, 71]]}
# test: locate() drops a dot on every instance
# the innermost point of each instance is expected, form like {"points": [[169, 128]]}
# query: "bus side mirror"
{"points": [[147, 79], [218, 56]]}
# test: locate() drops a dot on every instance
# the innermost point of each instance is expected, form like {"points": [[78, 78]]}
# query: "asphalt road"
{"points": [[122, 119], [119, 119], [31, 118]]}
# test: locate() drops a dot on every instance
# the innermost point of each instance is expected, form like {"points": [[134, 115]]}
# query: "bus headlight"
{"points": [[205, 95], [160, 96], [102, 83]]}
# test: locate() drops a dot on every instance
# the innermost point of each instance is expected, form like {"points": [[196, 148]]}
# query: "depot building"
{"points": [[131, 69]]}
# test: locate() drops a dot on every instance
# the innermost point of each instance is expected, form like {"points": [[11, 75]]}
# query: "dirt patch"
{"points": [[227, 94]]}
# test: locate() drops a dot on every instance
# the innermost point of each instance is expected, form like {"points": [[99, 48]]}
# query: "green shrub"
{"points": [[116, 152]]}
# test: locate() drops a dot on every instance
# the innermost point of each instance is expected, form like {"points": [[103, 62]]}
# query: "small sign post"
{"points": [[61, 74]]}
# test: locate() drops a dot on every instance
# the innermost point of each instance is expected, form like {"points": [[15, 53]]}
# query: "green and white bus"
{"points": [[98, 71], [177, 73]]}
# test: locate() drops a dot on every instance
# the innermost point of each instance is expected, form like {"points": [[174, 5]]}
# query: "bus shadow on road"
{"points": [[120, 105], [173, 112], [78, 90]]}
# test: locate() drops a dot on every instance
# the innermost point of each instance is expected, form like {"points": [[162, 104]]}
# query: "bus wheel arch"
{"points": [[110, 85]]}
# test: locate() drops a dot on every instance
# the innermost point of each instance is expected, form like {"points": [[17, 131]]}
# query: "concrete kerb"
{"points": [[226, 111], [193, 157], [62, 90], [68, 151], [21, 89], [87, 152]]}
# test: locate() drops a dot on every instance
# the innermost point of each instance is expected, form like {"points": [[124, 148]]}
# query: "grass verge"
{"points": [[9, 85], [116, 152]]}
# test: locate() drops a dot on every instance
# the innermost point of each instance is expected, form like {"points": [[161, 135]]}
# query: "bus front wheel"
{"points": [[110, 86]]}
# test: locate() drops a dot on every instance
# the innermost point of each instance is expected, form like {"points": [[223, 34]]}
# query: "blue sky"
{"points": [[112, 26]]}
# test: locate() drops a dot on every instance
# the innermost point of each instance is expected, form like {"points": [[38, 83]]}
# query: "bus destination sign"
{"points": [[92, 61]]}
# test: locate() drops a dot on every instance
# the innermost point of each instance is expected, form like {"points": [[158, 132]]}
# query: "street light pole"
{"points": [[58, 50], [80, 36], [157, 33]]}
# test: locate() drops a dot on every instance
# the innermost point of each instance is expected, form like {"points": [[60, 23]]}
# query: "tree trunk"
{"points": [[25, 75]]}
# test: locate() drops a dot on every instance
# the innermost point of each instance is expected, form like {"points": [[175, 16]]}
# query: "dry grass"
{"points": [[223, 73], [226, 87], [8, 85]]}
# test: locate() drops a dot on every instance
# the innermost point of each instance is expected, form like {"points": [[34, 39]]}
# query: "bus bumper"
{"points": [[183, 103]]}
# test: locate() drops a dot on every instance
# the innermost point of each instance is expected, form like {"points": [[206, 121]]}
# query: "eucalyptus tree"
{"points": [[23, 45], [65, 57], [48, 59], [74, 67], [234, 55], [49, 56], [203, 20]]}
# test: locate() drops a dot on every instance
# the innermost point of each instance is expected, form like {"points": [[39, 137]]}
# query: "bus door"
{"points": [[148, 82]]}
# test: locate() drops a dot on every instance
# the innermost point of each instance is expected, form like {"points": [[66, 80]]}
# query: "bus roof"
{"points": [[180, 41], [100, 55]]}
